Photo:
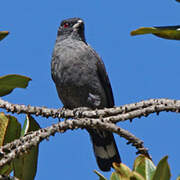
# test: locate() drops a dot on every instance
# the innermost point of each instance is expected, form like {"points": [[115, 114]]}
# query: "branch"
{"points": [[122, 113], [83, 118], [20, 146]]}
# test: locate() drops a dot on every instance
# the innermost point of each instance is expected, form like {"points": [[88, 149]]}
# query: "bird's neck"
{"points": [[77, 36], [74, 35]]}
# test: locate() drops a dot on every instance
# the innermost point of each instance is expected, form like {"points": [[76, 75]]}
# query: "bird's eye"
{"points": [[65, 25]]}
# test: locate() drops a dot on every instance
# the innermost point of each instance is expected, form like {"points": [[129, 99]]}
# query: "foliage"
{"points": [[167, 32], [9, 82], [25, 166], [143, 169]]}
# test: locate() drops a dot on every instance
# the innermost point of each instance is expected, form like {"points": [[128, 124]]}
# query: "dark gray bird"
{"points": [[82, 81]]}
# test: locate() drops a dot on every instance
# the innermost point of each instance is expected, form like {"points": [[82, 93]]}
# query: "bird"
{"points": [[81, 80]]}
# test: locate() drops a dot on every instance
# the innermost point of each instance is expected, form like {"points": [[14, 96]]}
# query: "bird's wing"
{"points": [[103, 76]]}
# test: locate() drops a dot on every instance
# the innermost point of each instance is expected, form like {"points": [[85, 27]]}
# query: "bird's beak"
{"points": [[77, 24]]}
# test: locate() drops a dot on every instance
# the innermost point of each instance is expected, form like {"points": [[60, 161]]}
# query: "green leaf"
{"points": [[11, 81], [30, 124], [144, 166], [10, 130], [162, 171], [3, 34], [115, 176], [101, 177], [178, 178], [167, 32], [143, 30], [25, 166], [136, 176], [123, 171]]}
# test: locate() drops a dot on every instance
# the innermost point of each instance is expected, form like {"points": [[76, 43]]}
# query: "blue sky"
{"points": [[139, 68]]}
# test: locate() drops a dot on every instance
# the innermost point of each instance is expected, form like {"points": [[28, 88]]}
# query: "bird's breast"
{"points": [[74, 71], [73, 65], [75, 74]]}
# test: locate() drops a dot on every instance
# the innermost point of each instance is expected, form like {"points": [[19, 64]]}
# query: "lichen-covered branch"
{"points": [[116, 114], [12, 150], [83, 118]]}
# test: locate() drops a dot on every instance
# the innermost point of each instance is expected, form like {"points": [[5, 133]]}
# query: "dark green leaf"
{"points": [[10, 130], [25, 166], [167, 32], [144, 166], [11, 81], [3, 34], [162, 171], [30, 124]]}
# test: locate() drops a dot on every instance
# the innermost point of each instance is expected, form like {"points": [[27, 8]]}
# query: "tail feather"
{"points": [[105, 148]]}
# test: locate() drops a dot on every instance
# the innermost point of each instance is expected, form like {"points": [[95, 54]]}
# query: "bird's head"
{"points": [[73, 27]]}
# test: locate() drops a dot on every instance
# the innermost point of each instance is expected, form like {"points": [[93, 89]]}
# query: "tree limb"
{"points": [[83, 118], [121, 113], [20, 146]]}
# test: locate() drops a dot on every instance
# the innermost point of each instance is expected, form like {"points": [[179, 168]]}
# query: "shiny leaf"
{"points": [[11, 81], [144, 166], [162, 171], [167, 32]]}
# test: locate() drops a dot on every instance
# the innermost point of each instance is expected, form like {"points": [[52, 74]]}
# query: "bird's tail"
{"points": [[105, 148]]}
